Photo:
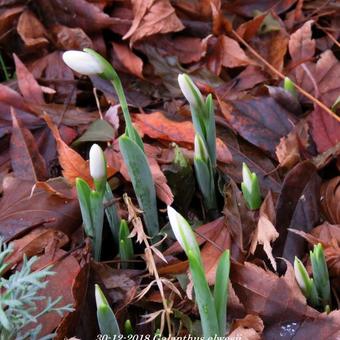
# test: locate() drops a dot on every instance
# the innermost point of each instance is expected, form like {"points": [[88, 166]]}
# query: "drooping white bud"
{"points": [[83, 63], [190, 90], [301, 276], [97, 162]]}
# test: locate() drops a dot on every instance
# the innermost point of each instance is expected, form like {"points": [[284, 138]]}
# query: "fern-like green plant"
{"points": [[19, 297]]}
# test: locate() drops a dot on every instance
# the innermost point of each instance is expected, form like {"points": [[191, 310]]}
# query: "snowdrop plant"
{"points": [[125, 244], [131, 144], [212, 305], [317, 289], [250, 188], [107, 321], [203, 118], [91, 201]]}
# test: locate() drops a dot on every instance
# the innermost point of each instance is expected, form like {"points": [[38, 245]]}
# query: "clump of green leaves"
{"points": [[250, 188], [212, 306], [125, 244], [203, 117], [317, 289], [19, 297]]}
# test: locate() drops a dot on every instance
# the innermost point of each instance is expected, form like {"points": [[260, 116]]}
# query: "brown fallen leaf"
{"points": [[288, 151], [261, 121], [157, 126], [232, 54], [128, 59], [31, 30], [26, 160], [29, 87], [265, 232], [250, 328], [36, 242], [20, 210], [275, 299], [151, 17], [330, 198]]}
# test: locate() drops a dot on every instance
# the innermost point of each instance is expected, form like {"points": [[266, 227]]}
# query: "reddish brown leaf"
{"points": [[66, 270], [36, 242], [297, 208], [157, 126], [275, 299], [232, 53], [250, 328], [330, 198], [288, 150], [21, 210], [28, 86], [261, 121], [325, 129], [265, 232], [68, 38], [31, 30], [151, 17], [7, 17], [27, 162], [128, 59]]}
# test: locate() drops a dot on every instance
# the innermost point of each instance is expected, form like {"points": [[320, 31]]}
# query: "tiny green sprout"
{"points": [[317, 289], [125, 244], [305, 283], [336, 104], [320, 275], [250, 188], [128, 330], [212, 307], [107, 321], [289, 86]]}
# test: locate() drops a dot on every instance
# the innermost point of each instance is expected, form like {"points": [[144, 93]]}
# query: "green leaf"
{"points": [[210, 127], [99, 131], [112, 215], [125, 244], [206, 182], [107, 321], [84, 192], [142, 181], [97, 213], [203, 296], [221, 291]]}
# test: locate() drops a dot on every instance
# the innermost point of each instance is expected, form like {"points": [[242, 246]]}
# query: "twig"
{"points": [[282, 76]]}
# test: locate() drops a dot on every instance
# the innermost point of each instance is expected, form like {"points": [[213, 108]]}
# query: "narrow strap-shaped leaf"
{"points": [[206, 183], [142, 182], [112, 215], [97, 213], [204, 298], [84, 192], [221, 291], [210, 129], [125, 244]]}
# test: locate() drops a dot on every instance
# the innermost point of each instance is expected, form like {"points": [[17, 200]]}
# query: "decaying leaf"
{"points": [[265, 232], [330, 198]]}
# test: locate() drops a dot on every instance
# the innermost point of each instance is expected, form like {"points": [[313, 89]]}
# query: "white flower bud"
{"points": [[190, 90], [183, 232], [83, 63], [97, 162], [301, 275]]}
